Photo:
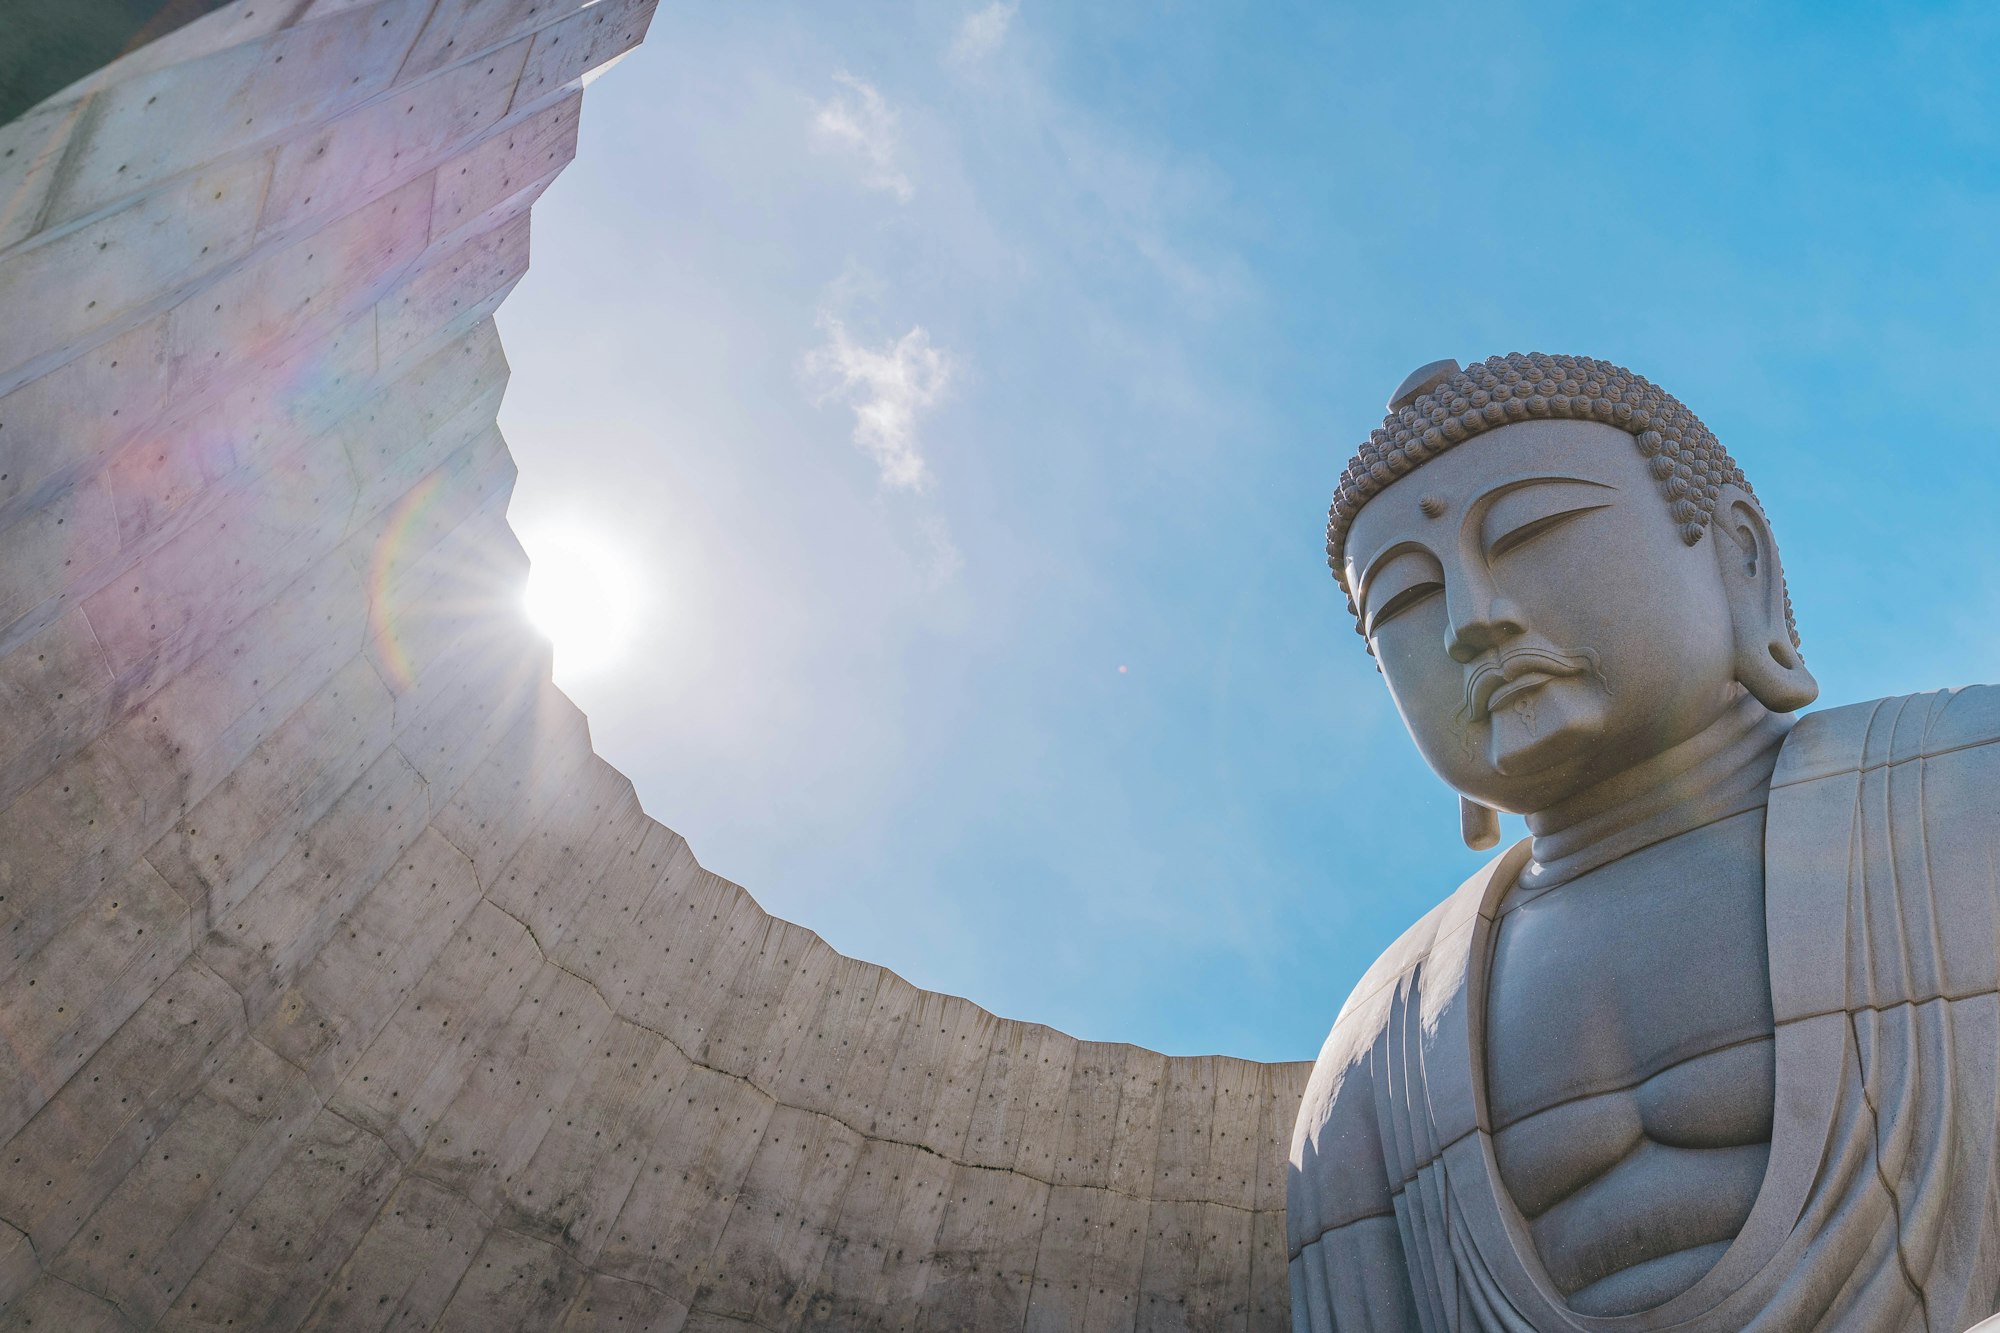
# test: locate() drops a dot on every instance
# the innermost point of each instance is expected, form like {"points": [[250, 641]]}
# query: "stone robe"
{"points": [[1880, 1208]]}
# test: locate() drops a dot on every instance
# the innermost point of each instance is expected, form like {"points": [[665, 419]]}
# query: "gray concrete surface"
{"points": [[343, 985]]}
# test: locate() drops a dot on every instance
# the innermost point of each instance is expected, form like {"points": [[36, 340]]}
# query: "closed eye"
{"points": [[1403, 601], [1527, 532]]}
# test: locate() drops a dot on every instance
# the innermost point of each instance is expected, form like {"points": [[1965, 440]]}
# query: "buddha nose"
{"points": [[1477, 620]]}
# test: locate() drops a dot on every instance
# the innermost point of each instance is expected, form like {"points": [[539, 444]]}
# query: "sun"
{"points": [[583, 594]]}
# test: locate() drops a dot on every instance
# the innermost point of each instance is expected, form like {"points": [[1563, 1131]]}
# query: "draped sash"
{"points": [[1880, 1207]]}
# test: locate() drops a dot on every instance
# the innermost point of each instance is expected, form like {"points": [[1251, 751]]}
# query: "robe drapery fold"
{"points": [[1880, 1207]]}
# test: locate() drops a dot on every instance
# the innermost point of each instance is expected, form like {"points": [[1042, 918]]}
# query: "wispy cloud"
{"points": [[857, 120], [888, 387], [982, 31]]}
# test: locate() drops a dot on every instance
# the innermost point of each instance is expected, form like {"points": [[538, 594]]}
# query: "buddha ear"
{"points": [[1478, 824], [1767, 662]]}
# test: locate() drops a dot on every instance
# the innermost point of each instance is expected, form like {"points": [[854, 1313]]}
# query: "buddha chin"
{"points": [[1540, 721]]}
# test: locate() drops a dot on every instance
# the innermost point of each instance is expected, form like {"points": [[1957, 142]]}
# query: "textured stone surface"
{"points": [[1717, 1048], [345, 987]]}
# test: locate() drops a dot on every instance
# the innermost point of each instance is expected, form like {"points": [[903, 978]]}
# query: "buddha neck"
{"points": [[1722, 770]]}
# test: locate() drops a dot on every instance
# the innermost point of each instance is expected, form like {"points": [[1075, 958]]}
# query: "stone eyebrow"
{"points": [[1478, 509], [1544, 479], [1376, 565]]}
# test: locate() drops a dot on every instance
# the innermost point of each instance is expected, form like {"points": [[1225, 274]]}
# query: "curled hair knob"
{"points": [[1421, 381]]}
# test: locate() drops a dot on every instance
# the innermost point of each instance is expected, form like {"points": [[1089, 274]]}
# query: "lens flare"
{"points": [[392, 550]]}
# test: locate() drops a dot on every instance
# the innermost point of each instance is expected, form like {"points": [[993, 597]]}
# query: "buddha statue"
{"points": [[1717, 1046]]}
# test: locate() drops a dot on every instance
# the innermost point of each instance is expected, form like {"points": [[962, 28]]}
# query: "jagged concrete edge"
{"points": [[343, 984]]}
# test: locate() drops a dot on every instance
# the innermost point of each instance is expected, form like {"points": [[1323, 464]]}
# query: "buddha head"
{"points": [[1560, 573]]}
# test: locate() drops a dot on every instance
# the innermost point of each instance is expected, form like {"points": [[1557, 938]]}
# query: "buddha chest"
{"points": [[1628, 1061]]}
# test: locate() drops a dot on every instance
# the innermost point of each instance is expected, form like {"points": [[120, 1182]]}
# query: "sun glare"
{"points": [[583, 595]]}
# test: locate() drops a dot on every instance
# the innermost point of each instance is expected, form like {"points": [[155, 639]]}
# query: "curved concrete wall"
{"points": [[342, 985], [53, 43]]}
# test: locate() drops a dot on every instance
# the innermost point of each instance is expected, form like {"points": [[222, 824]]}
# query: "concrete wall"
{"points": [[342, 985], [50, 44]]}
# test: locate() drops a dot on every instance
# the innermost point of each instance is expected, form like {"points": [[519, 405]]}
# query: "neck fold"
{"points": [[1722, 770]]}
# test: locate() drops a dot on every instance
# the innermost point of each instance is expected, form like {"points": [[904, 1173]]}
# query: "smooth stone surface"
{"points": [[1721, 1052]]}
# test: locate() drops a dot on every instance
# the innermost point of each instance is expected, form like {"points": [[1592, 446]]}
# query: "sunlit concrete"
{"points": [[342, 985]]}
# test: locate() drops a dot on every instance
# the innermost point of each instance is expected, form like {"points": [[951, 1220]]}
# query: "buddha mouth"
{"points": [[1516, 672], [1516, 687]]}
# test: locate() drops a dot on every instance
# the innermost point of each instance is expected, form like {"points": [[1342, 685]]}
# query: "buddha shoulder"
{"points": [[1895, 729], [1339, 1171]]}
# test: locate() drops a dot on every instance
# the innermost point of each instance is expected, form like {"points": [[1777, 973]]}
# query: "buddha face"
{"points": [[1540, 621]]}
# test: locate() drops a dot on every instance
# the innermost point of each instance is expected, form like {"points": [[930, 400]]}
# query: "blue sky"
{"points": [[965, 384]]}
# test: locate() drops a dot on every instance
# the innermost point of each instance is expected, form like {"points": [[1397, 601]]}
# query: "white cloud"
{"points": [[982, 31], [889, 388], [858, 121]]}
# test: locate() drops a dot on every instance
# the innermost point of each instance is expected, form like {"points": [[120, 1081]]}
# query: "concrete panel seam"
{"points": [[186, 955], [833, 1214], [80, 589], [1034, 1271], [430, 812], [87, 116], [845, 1124], [262, 242], [417, 40], [414, 1169], [27, 1240], [559, 16], [42, 234], [249, 1027], [470, 863], [78, 1287], [924, 1069]]}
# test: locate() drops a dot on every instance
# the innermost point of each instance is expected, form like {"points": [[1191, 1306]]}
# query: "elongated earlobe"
{"points": [[1776, 675], [1767, 661], [1478, 825]]}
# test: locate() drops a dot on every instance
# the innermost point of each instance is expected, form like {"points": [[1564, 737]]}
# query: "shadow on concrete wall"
{"points": [[46, 45]]}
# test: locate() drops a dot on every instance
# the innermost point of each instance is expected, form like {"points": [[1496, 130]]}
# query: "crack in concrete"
{"points": [[775, 1100]]}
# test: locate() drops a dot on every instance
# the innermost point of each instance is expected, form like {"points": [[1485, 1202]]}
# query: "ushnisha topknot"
{"points": [[1440, 406]]}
